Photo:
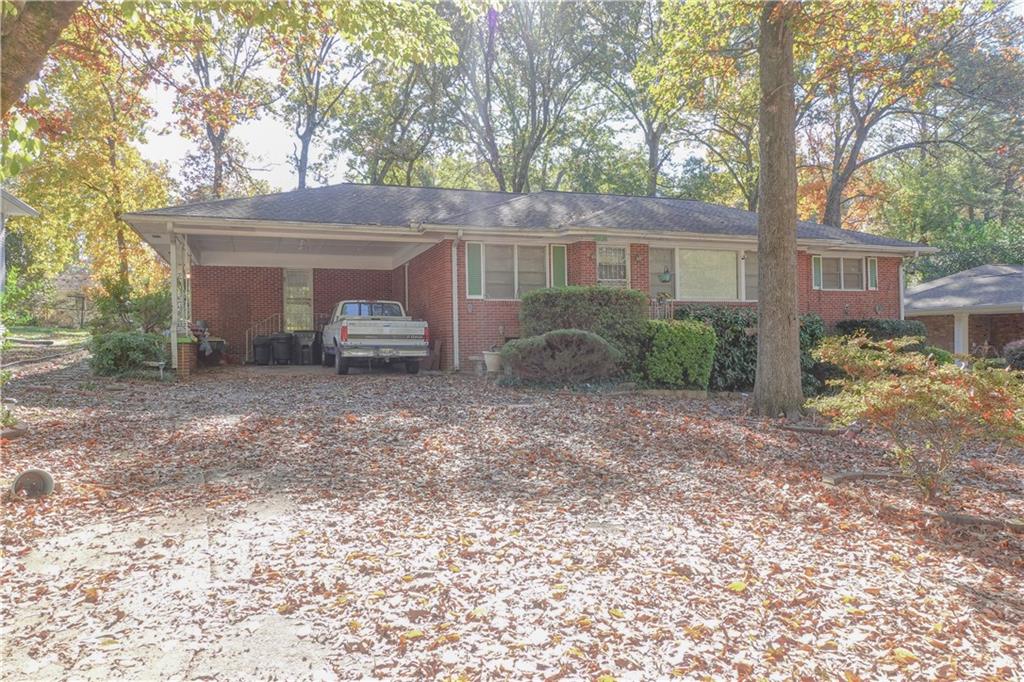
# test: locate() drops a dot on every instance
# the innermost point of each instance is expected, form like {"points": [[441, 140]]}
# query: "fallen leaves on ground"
{"points": [[262, 522]]}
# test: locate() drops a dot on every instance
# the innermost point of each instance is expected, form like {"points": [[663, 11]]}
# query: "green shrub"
{"points": [[119, 309], [619, 316], [878, 329], [933, 413], [680, 353], [1013, 352], [735, 363], [941, 356], [561, 356], [120, 352]]}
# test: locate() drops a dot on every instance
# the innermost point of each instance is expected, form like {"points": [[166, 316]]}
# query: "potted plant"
{"points": [[492, 357]]}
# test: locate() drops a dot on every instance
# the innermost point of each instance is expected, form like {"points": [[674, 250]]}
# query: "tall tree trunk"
{"points": [[303, 161], [653, 139], [777, 387], [833, 214], [26, 39]]}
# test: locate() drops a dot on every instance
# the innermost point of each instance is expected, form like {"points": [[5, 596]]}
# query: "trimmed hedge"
{"points": [[735, 362], [120, 352], [619, 316], [881, 330], [561, 356], [680, 353], [1013, 352]]}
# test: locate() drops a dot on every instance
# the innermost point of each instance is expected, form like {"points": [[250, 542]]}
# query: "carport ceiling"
{"points": [[302, 253]]}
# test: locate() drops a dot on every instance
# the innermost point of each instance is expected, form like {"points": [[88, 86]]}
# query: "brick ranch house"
{"points": [[972, 309], [461, 259]]}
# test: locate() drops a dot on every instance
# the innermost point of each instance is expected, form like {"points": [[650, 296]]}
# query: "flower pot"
{"points": [[492, 361]]}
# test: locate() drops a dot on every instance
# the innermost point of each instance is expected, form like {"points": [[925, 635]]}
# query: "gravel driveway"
{"points": [[264, 524]]}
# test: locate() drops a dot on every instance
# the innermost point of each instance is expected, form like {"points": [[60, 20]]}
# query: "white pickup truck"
{"points": [[374, 330]]}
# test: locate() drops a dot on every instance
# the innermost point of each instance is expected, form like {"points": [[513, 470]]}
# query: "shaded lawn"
{"points": [[252, 524]]}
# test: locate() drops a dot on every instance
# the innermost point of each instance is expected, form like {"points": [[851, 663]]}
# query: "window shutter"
{"points": [[559, 277], [474, 270], [872, 273], [816, 272]]}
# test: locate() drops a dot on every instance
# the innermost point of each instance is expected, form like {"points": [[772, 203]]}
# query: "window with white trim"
{"points": [[612, 266], [298, 300], [707, 275], [840, 273], [505, 271], [750, 276]]}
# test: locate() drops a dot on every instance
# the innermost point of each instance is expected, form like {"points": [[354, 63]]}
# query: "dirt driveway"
{"points": [[303, 525]]}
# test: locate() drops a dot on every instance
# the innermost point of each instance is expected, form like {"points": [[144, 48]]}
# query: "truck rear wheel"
{"points": [[340, 364], [412, 366]]}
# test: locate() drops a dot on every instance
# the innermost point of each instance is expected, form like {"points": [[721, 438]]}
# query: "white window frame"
{"points": [[842, 275], [871, 262], [284, 296], [742, 266], [740, 290], [515, 269], [597, 265]]}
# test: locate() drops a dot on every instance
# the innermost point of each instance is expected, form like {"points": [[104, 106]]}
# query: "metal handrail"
{"points": [[270, 325]]}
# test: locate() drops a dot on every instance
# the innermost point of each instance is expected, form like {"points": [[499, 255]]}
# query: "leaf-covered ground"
{"points": [[293, 524]]}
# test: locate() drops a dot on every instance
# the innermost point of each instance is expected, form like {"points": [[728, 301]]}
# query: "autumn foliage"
{"points": [[933, 414]]}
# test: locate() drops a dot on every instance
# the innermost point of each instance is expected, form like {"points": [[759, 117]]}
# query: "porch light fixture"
{"points": [[665, 277]]}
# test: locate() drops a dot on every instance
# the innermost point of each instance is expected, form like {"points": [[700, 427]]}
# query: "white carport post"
{"points": [[172, 246], [960, 332], [181, 259]]}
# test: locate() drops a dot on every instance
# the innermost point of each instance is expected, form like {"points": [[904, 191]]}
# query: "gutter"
{"points": [[455, 301]]}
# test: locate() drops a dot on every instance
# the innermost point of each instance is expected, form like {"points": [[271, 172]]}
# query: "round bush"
{"points": [[619, 316], [561, 356]]}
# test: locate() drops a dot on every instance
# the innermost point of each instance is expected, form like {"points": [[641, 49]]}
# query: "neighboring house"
{"points": [[983, 306], [461, 259], [10, 205], [68, 302]]}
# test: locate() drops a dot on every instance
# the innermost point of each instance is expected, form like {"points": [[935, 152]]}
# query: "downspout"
{"points": [[455, 301], [405, 301]]}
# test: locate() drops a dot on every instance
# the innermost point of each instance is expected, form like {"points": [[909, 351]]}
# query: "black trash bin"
{"points": [[302, 347], [261, 350], [318, 348], [282, 345]]}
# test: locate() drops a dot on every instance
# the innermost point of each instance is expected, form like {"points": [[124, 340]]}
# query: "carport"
{"points": [[983, 306], [246, 277]]}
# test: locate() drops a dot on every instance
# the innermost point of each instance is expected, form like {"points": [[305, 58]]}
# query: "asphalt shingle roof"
{"points": [[986, 286], [354, 204]]}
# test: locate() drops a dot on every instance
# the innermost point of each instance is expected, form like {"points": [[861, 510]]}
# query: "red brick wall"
{"points": [[581, 260], [483, 324], [995, 330], [940, 330], [639, 268], [232, 299], [841, 305], [331, 286], [430, 294], [398, 285]]}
